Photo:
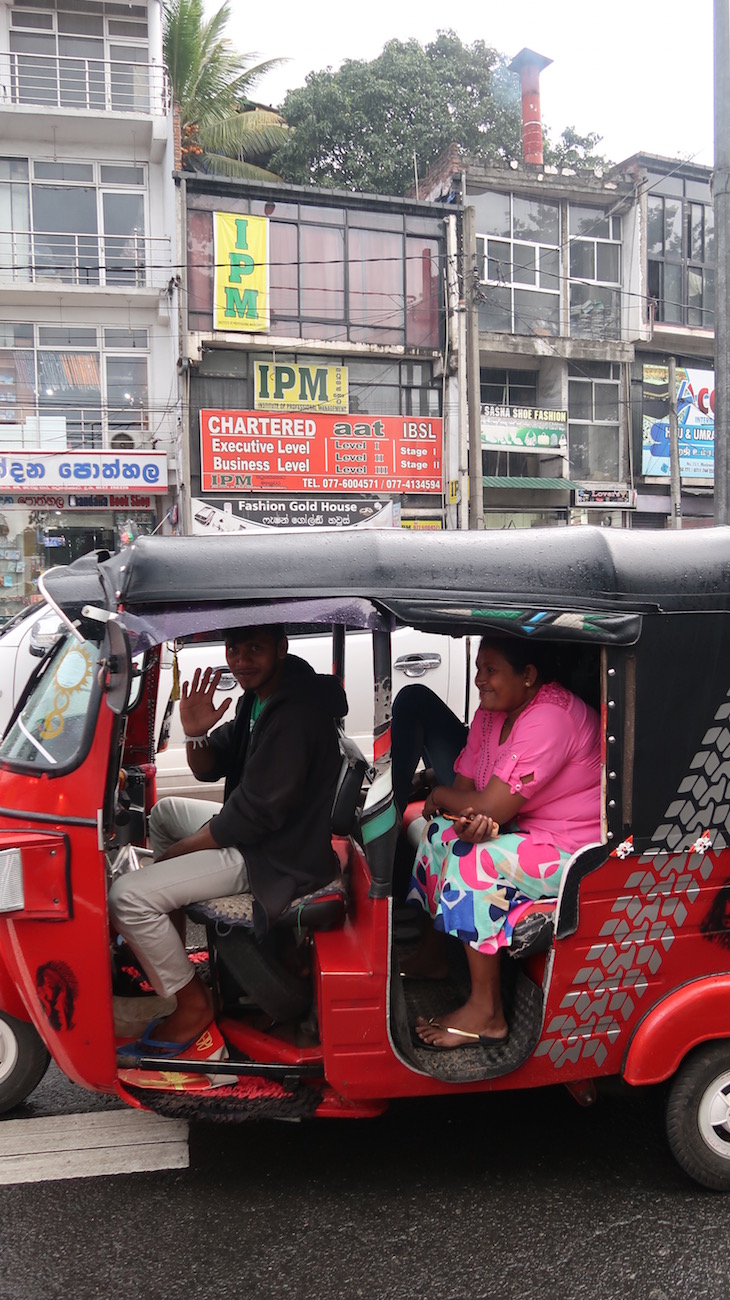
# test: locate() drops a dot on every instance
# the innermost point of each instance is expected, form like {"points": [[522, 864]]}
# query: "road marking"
{"points": [[86, 1146]]}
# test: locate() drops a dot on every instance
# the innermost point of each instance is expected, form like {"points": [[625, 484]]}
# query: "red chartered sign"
{"points": [[251, 451]]}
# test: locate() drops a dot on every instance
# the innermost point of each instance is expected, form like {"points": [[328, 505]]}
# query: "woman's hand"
{"points": [[198, 712], [475, 828]]}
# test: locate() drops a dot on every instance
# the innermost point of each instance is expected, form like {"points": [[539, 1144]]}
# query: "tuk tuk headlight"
{"points": [[12, 898]]}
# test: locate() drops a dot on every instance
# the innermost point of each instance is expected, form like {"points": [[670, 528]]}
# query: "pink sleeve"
{"points": [[540, 744]]}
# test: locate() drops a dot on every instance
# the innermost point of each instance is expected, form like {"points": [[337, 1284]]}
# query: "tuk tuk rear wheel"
{"points": [[23, 1061], [698, 1116]]}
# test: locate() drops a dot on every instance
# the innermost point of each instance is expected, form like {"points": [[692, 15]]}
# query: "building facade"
{"points": [[318, 379], [89, 440]]}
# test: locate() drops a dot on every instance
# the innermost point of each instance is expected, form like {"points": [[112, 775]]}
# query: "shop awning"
{"points": [[529, 484]]}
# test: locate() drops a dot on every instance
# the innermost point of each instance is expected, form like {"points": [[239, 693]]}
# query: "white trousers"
{"points": [[140, 902]]}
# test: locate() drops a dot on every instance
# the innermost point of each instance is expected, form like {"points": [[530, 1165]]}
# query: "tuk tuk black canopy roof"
{"points": [[450, 580]]}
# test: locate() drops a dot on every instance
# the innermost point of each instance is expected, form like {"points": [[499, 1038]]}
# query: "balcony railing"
{"points": [[91, 260], [101, 85]]}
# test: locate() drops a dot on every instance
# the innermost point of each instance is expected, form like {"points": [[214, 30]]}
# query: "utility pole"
{"points": [[675, 519], [476, 486], [721, 202]]}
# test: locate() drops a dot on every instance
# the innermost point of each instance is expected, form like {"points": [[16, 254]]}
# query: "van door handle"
{"points": [[227, 681], [419, 664]]}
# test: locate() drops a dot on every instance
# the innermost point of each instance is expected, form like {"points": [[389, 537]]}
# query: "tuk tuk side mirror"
{"points": [[117, 668]]}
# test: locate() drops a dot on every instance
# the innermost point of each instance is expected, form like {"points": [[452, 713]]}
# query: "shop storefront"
{"points": [[49, 516]]}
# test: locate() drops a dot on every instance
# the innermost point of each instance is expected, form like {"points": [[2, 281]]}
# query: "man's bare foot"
{"points": [[466, 1026], [192, 1015]]}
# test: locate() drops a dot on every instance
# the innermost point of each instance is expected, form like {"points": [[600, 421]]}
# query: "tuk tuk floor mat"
{"points": [[437, 998], [249, 1098]]}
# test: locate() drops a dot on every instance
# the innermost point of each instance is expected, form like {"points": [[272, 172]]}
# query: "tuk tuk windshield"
{"points": [[49, 730]]}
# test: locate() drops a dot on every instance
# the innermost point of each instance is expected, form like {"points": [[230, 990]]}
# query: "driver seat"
{"points": [[262, 969]]}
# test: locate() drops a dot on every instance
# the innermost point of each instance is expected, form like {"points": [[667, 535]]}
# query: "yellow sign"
{"points": [[285, 386], [241, 272], [422, 525]]}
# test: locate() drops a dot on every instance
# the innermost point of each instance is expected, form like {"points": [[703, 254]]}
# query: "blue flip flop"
{"points": [[146, 1046]]}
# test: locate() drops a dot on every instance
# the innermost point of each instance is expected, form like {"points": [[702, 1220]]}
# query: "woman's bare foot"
{"points": [[463, 1027], [192, 1015]]}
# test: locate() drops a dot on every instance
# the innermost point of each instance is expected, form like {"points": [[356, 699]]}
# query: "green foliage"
{"points": [[360, 127], [221, 130], [574, 150]]}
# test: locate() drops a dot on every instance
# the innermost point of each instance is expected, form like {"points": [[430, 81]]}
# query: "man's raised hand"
{"points": [[198, 712]]}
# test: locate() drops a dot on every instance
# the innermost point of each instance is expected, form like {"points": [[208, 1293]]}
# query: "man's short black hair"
{"points": [[235, 634]]}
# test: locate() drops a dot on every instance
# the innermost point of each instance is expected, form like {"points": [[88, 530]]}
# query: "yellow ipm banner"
{"points": [[241, 272]]}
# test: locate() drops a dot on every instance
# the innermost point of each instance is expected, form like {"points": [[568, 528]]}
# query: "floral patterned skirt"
{"points": [[477, 892]]}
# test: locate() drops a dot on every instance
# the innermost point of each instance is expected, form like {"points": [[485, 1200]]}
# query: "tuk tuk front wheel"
{"points": [[698, 1116], [23, 1061]]}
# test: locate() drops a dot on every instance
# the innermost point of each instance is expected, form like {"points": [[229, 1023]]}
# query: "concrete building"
{"points": [[317, 369], [88, 281]]}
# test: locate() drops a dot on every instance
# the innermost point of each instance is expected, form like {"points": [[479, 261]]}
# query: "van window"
{"points": [[48, 732]]}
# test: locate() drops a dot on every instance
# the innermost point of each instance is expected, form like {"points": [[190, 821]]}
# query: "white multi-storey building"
{"points": [[88, 283]]}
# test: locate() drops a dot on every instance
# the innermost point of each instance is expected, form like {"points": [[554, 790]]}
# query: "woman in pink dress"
{"points": [[526, 795]]}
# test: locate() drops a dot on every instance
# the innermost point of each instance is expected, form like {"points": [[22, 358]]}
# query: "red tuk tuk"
{"points": [[627, 974]]}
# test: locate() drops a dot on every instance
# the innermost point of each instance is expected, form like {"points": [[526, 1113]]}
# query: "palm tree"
{"points": [[222, 130]]}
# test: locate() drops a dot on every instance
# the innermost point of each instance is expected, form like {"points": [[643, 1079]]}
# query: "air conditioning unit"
{"points": [[126, 440]]}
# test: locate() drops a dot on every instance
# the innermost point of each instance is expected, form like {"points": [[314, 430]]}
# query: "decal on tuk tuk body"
{"points": [[652, 907], [57, 989]]}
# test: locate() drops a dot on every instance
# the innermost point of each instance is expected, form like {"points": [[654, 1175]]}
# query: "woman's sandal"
{"points": [[483, 1040]]}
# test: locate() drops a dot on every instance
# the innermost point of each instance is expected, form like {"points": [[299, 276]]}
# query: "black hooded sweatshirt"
{"points": [[280, 780]]}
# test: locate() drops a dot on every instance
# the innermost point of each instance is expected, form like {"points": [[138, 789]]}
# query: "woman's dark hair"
{"points": [[519, 654]]}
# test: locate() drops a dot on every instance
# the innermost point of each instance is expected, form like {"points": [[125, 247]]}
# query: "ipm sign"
{"points": [[241, 247], [286, 386]]}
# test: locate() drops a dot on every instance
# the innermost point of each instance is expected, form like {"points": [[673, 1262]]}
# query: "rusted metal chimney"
{"points": [[530, 65]]}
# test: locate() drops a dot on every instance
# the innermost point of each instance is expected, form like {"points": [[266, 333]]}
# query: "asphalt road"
{"points": [[522, 1196]]}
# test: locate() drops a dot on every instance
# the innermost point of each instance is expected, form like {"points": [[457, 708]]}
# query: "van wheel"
{"points": [[23, 1061], [698, 1116]]}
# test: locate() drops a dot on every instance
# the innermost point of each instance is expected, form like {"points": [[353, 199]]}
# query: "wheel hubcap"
{"points": [[8, 1051], [713, 1116]]}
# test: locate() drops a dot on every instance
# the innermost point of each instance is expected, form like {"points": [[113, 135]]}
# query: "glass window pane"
{"points": [[655, 226], [696, 232], [374, 399], [582, 260], [119, 175], [132, 338], [537, 313], [283, 272], [53, 336], [673, 228], [525, 263], [376, 279], [550, 268], [672, 304], [422, 292], [587, 221], [324, 216], [607, 263], [124, 243], [594, 312], [127, 395], [580, 399], [605, 401], [496, 313], [63, 171], [709, 235], [708, 313], [13, 169], [594, 452], [535, 220], [492, 213], [499, 263], [322, 272]]}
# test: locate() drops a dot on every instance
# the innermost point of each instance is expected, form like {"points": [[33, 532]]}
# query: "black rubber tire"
{"points": [[23, 1061], [257, 971], [698, 1122]]}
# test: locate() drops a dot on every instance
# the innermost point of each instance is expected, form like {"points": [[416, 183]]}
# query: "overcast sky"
{"points": [[639, 72]]}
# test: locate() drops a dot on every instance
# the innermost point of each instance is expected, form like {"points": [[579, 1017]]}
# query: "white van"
{"points": [[440, 662]]}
